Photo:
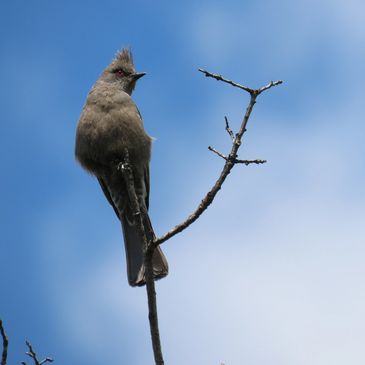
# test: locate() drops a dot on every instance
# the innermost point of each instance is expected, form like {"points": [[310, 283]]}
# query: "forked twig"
{"points": [[245, 162], [31, 353], [242, 87]]}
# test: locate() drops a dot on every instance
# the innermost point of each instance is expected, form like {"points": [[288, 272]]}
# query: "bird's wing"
{"points": [[107, 195]]}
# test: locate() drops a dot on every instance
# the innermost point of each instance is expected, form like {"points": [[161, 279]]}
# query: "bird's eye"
{"points": [[120, 72]]}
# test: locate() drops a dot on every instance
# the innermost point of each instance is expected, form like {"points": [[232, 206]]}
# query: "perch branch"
{"points": [[127, 172], [231, 160], [4, 355]]}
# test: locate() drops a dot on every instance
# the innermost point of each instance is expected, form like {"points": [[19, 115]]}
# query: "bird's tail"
{"points": [[133, 244]]}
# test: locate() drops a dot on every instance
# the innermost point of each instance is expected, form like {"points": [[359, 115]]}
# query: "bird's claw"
{"points": [[123, 166]]}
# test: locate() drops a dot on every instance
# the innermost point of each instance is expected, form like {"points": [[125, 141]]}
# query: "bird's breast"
{"points": [[107, 127]]}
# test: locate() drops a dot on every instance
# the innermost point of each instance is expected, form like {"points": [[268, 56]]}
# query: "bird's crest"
{"points": [[124, 56]]}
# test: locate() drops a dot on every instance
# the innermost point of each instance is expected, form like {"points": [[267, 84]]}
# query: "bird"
{"points": [[110, 125]]}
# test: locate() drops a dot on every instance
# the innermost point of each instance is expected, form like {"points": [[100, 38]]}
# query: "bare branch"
{"points": [[33, 355], [127, 172], [231, 159], [210, 148], [250, 162], [221, 78], [47, 359], [269, 85], [4, 355], [228, 129]]}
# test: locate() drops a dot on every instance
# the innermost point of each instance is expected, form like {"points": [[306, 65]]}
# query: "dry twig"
{"points": [[245, 162], [33, 355], [228, 129], [235, 84]]}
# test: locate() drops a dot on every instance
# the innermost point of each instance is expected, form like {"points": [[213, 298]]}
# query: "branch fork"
{"points": [[242, 87], [231, 160], [33, 355], [234, 160]]}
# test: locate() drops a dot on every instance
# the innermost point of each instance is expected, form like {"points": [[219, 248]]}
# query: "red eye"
{"points": [[120, 72]]}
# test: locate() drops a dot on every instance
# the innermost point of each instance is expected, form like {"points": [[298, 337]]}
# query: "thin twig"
{"points": [[210, 148], [228, 129], [33, 355], [245, 162], [250, 162], [269, 85], [221, 78], [4, 355], [47, 359], [231, 160], [127, 172]]}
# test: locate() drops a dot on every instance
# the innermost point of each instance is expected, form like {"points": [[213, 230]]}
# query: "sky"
{"points": [[273, 272]]}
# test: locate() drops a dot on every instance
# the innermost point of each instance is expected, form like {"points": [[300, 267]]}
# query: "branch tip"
{"points": [[210, 148], [221, 78], [250, 162], [269, 85], [228, 129]]}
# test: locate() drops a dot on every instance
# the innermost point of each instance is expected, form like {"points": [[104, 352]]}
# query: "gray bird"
{"points": [[109, 124]]}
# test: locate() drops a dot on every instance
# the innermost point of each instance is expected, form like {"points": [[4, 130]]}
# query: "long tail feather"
{"points": [[133, 243]]}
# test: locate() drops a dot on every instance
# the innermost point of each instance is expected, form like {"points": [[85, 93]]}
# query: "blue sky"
{"points": [[273, 272]]}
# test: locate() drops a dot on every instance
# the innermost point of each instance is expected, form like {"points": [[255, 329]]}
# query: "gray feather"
{"points": [[109, 124]]}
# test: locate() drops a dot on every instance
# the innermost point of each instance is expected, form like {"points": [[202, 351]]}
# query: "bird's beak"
{"points": [[138, 75]]}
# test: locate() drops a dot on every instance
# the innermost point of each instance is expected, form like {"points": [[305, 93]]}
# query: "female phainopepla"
{"points": [[110, 124]]}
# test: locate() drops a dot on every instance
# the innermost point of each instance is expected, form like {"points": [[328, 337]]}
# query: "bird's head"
{"points": [[121, 71]]}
